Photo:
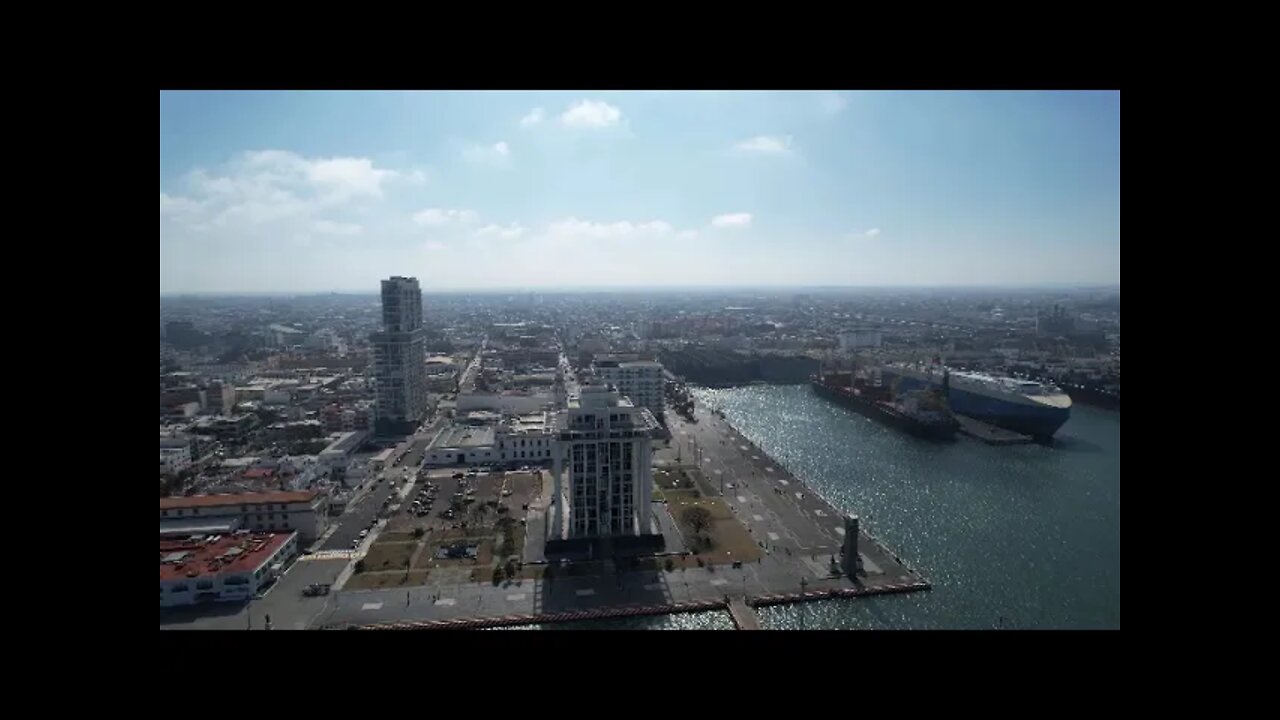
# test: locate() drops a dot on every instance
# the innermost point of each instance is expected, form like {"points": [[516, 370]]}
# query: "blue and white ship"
{"points": [[1023, 406]]}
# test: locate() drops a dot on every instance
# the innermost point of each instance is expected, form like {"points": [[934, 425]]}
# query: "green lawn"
{"points": [[730, 540], [386, 579]]}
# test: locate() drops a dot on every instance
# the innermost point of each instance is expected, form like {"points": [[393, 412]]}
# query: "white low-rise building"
{"points": [[201, 568], [341, 448], [519, 440], [304, 512]]}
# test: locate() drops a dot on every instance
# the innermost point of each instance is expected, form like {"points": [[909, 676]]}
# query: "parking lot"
{"points": [[452, 499], [479, 515]]}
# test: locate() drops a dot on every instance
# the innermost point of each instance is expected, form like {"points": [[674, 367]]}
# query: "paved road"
{"points": [[357, 518], [773, 574], [284, 602], [364, 512]]}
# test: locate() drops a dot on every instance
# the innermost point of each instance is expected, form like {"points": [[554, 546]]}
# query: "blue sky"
{"points": [[320, 191]]}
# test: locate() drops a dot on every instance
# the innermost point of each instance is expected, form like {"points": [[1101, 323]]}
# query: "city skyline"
{"points": [[313, 192]]}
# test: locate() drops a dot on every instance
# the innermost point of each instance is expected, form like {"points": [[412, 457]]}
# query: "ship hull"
{"points": [[876, 411], [1038, 421]]}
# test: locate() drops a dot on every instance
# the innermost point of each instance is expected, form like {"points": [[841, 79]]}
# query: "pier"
{"points": [[744, 616]]}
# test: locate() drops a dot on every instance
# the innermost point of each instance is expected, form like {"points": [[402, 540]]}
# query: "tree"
{"points": [[419, 532], [697, 518], [359, 566]]}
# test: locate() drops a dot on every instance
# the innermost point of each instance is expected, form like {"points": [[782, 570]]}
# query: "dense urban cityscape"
{"points": [[326, 429], [697, 360]]}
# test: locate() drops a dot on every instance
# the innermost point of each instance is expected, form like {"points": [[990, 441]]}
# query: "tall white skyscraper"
{"points": [[400, 358], [602, 466]]}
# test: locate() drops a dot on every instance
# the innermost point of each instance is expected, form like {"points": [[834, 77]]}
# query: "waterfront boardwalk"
{"points": [[797, 531]]}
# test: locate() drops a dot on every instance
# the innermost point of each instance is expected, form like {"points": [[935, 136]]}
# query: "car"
{"points": [[364, 534]]}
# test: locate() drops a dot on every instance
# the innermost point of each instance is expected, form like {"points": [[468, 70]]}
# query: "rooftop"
{"points": [[594, 396], [461, 436], [196, 501], [213, 554]]}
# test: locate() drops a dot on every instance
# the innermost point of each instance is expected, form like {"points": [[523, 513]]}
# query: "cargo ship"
{"points": [[921, 413], [1028, 407]]}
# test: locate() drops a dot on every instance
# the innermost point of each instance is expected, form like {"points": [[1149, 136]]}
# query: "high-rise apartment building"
{"points": [[602, 466], [636, 379], [400, 358]]}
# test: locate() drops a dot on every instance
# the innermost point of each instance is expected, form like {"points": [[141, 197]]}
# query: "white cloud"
{"points": [[417, 177], [831, 102], [687, 235], [865, 234], [511, 232], [534, 117], [766, 145], [172, 205], [265, 187], [732, 220], [348, 177], [434, 245], [495, 154], [591, 114], [873, 232], [440, 217], [573, 227], [333, 179], [336, 228]]}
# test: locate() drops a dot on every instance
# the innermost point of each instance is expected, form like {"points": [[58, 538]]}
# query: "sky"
{"points": [[331, 191]]}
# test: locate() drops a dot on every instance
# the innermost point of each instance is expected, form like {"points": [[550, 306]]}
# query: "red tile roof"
{"points": [[195, 501], [236, 553]]}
